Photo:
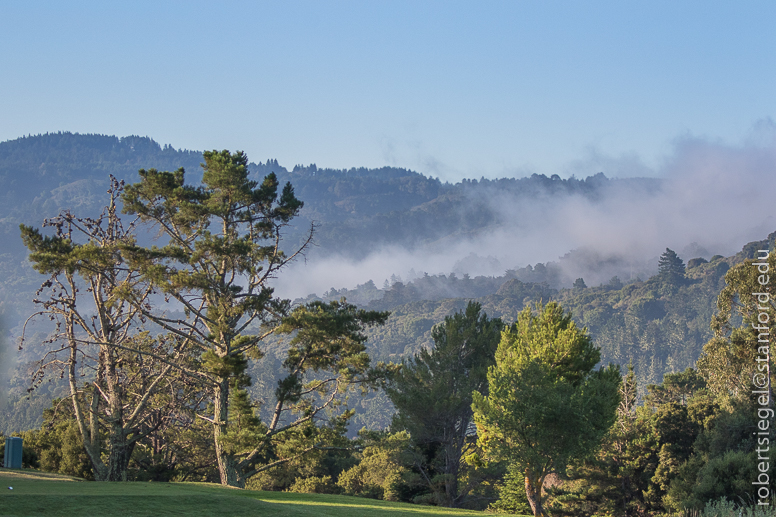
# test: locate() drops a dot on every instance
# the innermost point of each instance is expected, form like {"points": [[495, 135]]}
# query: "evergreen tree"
{"points": [[617, 479], [432, 394], [547, 405], [669, 265], [511, 492], [223, 248]]}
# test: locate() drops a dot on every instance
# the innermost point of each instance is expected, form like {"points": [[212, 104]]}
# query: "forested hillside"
{"points": [[658, 324], [162, 351], [356, 211]]}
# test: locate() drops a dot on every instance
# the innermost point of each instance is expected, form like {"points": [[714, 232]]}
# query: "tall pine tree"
{"points": [[224, 246], [670, 266], [433, 395]]}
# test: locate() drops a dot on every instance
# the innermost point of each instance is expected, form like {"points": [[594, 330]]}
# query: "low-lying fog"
{"points": [[713, 199]]}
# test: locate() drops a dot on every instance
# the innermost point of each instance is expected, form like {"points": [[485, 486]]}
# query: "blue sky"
{"points": [[450, 89]]}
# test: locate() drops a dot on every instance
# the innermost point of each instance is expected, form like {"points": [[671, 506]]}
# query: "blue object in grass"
{"points": [[13, 453]]}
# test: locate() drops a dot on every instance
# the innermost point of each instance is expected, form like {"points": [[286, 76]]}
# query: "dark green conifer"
{"points": [[433, 397], [670, 265]]}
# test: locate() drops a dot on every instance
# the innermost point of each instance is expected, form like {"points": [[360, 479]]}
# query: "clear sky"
{"points": [[450, 89]]}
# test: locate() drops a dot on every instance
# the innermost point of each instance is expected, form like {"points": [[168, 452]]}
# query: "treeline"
{"points": [[480, 410], [356, 211], [365, 207], [412, 211], [154, 341], [176, 362], [659, 325]]}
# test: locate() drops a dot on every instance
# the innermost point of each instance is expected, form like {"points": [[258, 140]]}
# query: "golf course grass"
{"points": [[43, 494]]}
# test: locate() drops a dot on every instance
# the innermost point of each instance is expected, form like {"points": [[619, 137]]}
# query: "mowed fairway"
{"points": [[42, 494]]}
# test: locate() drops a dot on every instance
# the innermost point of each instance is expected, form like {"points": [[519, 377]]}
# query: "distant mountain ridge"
{"points": [[658, 326], [355, 209], [356, 212]]}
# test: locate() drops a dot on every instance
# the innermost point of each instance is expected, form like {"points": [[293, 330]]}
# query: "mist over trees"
{"points": [[75, 165], [174, 353]]}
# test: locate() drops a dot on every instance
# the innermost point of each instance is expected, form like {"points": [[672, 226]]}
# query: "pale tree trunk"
{"points": [[90, 434], [119, 447], [228, 466], [533, 492]]}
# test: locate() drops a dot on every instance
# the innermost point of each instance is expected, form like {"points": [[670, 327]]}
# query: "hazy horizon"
{"points": [[450, 89], [714, 195]]}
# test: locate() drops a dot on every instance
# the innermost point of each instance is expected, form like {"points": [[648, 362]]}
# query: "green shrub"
{"points": [[379, 474], [724, 508], [315, 485], [511, 494]]}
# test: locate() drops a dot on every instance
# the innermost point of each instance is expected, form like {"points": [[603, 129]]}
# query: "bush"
{"points": [[379, 474], [729, 475], [511, 494], [724, 508], [315, 485], [376, 477], [695, 262], [58, 448]]}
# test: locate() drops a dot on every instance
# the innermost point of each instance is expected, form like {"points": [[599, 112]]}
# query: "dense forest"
{"points": [[170, 358]]}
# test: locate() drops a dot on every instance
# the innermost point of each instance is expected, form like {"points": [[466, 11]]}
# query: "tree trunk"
{"points": [[89, 435], [120, 453], [119, 448], [533, 491], [228, 468], [452, 468], [451, 487]]}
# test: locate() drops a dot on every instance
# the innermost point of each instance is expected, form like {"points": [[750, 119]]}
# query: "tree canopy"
{"points": [[432, 394], [546, 404], [224, 245], [670, 265]]}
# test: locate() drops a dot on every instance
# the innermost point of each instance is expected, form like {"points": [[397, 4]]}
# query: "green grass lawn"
{"points": [[37, 493]]}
